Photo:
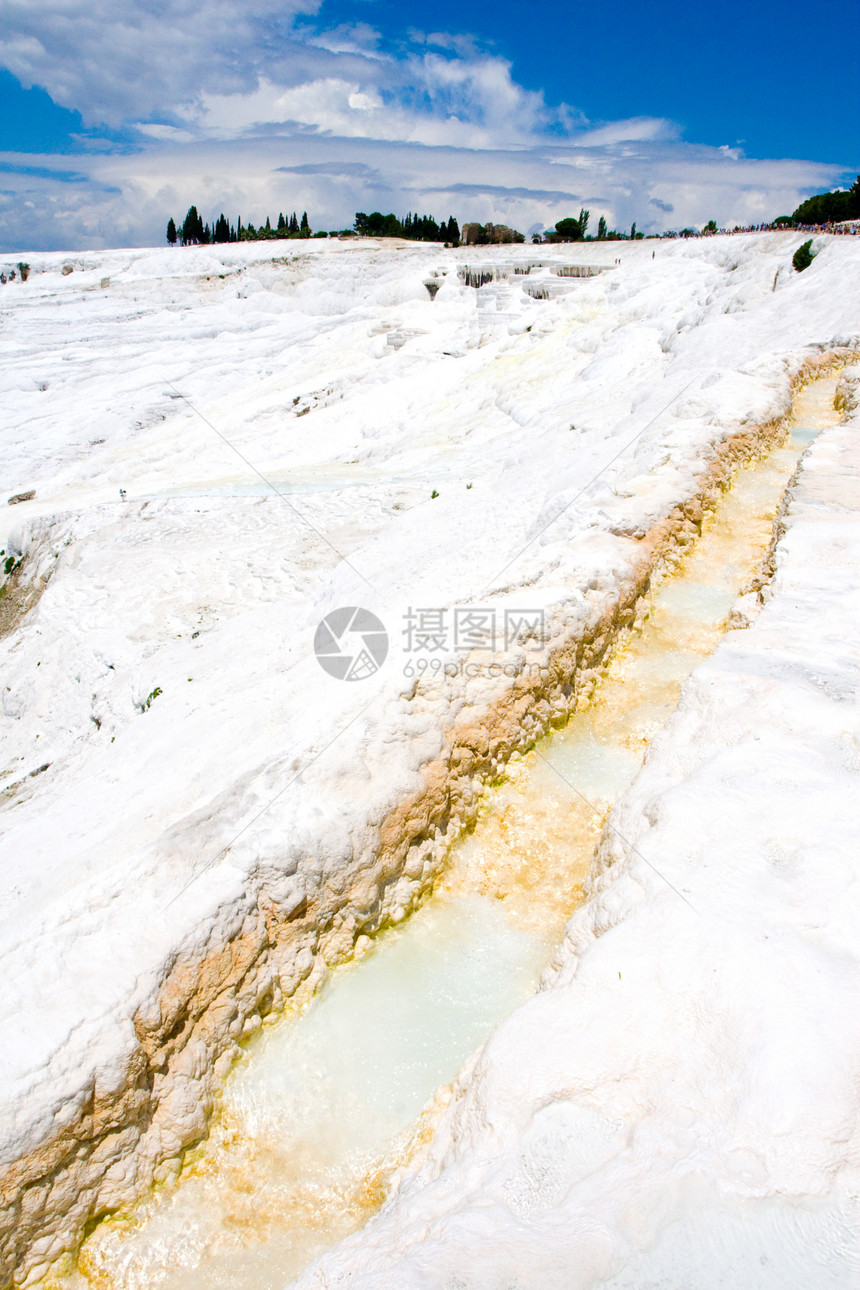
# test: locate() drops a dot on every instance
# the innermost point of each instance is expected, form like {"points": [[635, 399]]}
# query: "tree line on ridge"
{"points": [[193, 232]]}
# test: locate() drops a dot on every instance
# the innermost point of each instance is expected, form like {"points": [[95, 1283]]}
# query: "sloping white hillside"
{"points": [[196, 815], [678, 1106]]}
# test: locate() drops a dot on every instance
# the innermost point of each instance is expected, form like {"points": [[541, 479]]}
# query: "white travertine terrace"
{"points": [[195, 816], [678, 1104]]}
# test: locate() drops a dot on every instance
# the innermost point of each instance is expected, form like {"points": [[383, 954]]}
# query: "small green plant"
{"points": [[154, 695], [434, 493], [468, 485], [803, 257], [9, 565], [24, 270]]}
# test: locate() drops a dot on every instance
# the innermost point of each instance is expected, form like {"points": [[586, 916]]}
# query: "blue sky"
{"points": [[116, 113], [764, 73]]}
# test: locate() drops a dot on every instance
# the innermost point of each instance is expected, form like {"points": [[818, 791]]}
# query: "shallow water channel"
{"points": [[332, 1099]]}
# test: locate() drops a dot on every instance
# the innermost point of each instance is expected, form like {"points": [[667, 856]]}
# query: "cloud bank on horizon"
{"points": [[265, 106]]}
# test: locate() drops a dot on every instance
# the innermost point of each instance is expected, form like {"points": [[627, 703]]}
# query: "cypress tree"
{"points": [[192, 228], [194, 232]]}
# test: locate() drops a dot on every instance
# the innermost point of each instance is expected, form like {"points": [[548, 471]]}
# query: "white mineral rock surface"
{"points": [[678, 1106], [177, 768]]}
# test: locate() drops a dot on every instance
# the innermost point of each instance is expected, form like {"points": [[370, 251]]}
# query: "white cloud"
{"points": [[224, 66], [250, 108], [638, 129], [126, 199], [422, 98], [354, 38], [167, 133], [115, 60]]}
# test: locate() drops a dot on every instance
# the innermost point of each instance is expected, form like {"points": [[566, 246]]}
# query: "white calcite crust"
{"points": [[195, 816], [678, 1106]]}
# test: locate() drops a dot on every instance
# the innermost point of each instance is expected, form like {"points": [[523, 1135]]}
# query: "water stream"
{"points": [[331, 1099]]}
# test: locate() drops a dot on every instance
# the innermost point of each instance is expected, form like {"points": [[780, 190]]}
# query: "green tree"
{"points": [[601, 228], [282, 223], [633, 231], [192, 228], [304, 227], [710, 227], [830, 208], [854, 200], [378, 225], [567, 230], [572, 229], [294, 224], [171, 232]]}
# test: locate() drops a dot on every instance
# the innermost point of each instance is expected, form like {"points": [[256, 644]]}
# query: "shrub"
{"points": [[803, 257]]}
